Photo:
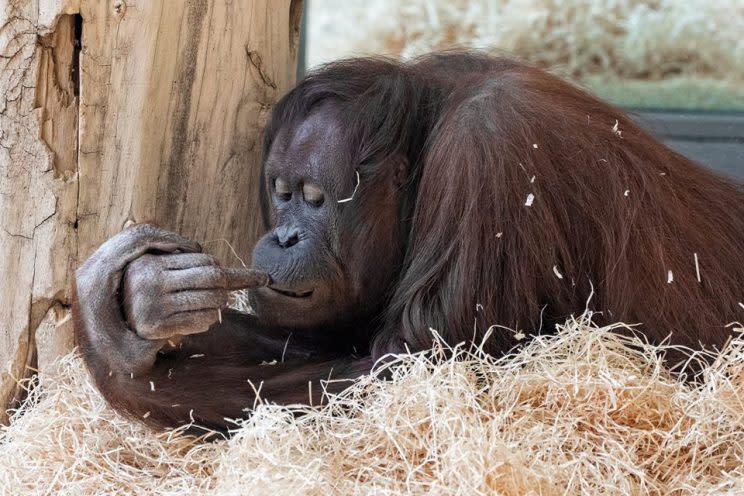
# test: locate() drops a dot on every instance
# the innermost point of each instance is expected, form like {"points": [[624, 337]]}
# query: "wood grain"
{"points": [[165, 127]]}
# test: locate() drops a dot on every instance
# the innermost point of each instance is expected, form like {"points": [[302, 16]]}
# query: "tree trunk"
{"points": [[119, 111]]}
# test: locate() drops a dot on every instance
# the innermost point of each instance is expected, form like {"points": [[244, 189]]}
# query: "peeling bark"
{"points": [[56, 95], [34, 247]]}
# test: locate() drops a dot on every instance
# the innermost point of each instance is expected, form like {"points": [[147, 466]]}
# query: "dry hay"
{"points": [[585, 411], [633, 39]]}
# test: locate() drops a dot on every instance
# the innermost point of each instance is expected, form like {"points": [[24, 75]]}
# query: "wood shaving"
{"points": [[557, 272], [358, 181]]}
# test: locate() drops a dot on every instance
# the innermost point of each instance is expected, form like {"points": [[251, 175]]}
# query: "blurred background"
{"points": [[677, 65]]}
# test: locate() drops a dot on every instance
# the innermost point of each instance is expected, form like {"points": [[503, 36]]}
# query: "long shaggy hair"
{"points": [[519, 196], [525, 196]]}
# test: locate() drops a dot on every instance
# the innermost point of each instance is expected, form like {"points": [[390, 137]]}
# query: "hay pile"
{"points": [[586, 410], [632, 39], [673, 54]]}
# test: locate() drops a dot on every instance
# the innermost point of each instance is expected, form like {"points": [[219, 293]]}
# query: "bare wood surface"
{"points": [[166, 127]]}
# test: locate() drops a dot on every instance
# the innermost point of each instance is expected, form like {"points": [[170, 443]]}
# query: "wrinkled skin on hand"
{"points": [[164, 285], [179, 293]]}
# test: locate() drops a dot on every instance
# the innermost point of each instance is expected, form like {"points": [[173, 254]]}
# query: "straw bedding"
{"points": [[586, 410]]}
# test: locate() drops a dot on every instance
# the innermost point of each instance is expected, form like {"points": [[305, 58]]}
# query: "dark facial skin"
{"points": [[319, 282], [318, 276], [148, 301]]}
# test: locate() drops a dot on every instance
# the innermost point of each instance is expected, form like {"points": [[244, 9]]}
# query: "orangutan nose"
{"points": [[287, 235]]}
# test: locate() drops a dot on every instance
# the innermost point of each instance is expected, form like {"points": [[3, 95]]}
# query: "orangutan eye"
{"points": [[312, 194], [282, 189]]}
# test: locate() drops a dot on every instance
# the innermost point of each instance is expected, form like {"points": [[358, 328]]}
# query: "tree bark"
{"points": [[119, 111]]}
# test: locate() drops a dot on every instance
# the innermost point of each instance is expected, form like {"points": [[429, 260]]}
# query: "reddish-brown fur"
{"points": [[613, 212], [502, 127]]}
